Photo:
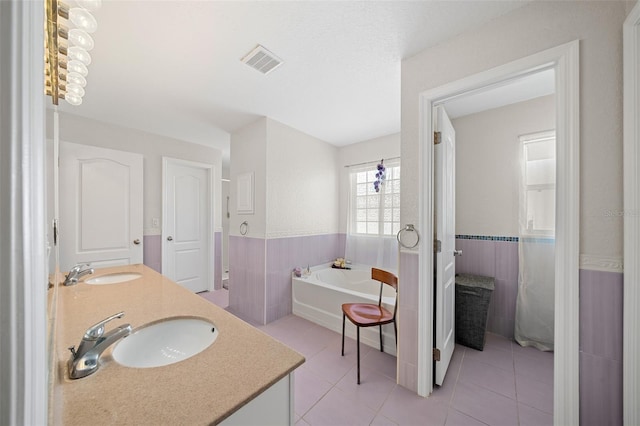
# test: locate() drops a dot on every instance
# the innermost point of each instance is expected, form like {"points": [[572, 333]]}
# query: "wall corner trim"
{"points": [[631, 150], [601, 263]]}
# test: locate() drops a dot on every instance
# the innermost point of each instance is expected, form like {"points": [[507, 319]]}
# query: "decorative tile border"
{"points": [[487, 238], [539, 240], [508, 239]]}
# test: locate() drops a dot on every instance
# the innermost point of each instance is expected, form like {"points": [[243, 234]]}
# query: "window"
{"points": [[375, 213], [539, 183]]}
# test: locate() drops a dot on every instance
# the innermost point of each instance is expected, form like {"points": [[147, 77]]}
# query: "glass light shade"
{"points": [[75, 65], [75, 90], [75, 78], [83, 20], [73, 99], [79, 54], [90, 5], [81, 39]]}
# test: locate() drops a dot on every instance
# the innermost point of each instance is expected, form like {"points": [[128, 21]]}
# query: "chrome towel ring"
{"points": [[244, 228], [408, 228]]}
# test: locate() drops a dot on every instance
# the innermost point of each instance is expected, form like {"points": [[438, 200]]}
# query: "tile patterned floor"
{"points": [[218, 297], [503, 385]]}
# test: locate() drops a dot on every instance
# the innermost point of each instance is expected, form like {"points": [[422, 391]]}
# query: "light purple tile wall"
{"points": [[408, 321], [152, 252], [247, 278], [601, 301], [478, 257], [217, 260], [502, 311], [284, 254], [260, 271], [498, 259]]}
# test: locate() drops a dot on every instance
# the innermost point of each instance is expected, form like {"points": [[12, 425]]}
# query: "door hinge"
{"points": [[436, 354], [437, 246], [437, 138], [55, 232]]}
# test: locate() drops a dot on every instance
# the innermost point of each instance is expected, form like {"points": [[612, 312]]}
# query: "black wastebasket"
{"points": [[473, 294]]}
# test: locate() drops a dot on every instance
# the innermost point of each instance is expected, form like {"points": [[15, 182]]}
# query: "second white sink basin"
{"points": [[116, 277], [165, 342]]}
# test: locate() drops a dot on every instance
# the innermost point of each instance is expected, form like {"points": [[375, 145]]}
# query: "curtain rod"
{"points": [[371, 162]]}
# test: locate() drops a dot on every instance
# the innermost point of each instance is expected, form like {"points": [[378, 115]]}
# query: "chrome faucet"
{"points": [[76, 273], [84, 360]]}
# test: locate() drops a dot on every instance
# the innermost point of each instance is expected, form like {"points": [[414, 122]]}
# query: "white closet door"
{"points": [[100, 206], [186, 251], [445, 197]]}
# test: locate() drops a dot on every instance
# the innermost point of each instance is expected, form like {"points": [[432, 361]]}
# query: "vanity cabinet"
{"points": [[272, 407], [244, 377]]}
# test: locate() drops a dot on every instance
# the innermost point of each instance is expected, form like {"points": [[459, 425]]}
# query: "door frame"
{"points": [[564, 59], [25, 359], [631, 149], [209, 168]]}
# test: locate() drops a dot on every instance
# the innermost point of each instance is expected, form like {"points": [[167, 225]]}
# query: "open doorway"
{"points": [[504, 240], [505, 185], [564, 61]]}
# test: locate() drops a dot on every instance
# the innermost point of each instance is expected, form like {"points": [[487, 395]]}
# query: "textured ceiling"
{"points": [[173, 67]]}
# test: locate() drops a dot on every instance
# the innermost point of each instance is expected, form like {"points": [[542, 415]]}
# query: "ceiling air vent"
{"points": [[262, 60]]}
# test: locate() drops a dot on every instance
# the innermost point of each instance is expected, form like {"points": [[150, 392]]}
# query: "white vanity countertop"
{"points": [[204, 389]]}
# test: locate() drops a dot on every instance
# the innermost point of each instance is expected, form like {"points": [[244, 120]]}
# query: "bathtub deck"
{"points": [[321, 303]]}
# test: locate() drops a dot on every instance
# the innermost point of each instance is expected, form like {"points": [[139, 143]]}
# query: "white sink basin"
{"points": [[165, 342], [116, 277]]}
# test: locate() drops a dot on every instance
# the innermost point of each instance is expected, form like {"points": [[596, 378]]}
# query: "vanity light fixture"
{"points": [[67, 49]]}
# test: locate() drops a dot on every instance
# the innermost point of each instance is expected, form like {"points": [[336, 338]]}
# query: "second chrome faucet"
{"points": [[84, 359], [76, 273]]}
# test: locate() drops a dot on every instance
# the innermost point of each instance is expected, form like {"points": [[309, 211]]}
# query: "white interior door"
{"points": [[187, 227], [100, 206], [444, 182]]}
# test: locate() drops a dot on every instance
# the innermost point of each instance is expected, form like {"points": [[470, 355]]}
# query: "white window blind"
{"points": [[539, 183], [371, 212]]}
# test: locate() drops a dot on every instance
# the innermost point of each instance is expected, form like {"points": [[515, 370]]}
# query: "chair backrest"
{"points": [[385, 278]]}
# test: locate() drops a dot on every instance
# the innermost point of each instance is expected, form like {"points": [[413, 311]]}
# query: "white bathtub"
{"points": [[319, 298]]}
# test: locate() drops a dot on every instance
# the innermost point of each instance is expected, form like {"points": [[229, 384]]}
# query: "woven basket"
{"points": [[473, 295]]}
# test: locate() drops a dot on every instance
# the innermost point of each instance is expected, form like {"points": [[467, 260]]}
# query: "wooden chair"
{"points": [[370, 314]]}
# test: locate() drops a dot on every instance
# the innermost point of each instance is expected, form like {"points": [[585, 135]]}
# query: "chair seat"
{"points": [[367, 314]]}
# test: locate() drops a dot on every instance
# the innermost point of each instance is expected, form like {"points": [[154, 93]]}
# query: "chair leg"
{"points": [[358, 338], [395, 331], [343, 334], [381, 347]]}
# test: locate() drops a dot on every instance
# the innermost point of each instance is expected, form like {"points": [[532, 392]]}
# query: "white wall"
{"points": [[488, 165], [302, 183], [295, 196], [248, 153], [530, 29], [153, 147], [372, 150], [304, 178]]}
